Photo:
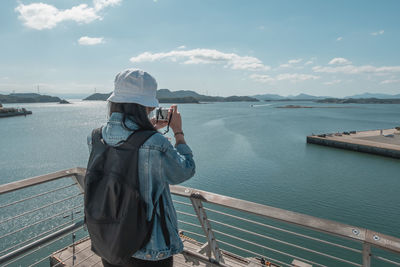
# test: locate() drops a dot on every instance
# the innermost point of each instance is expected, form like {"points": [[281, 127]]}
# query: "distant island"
{"points": [[183, 96], [63, 101], [27, 98], [359, 101], [98, 97], [306, 97], [294, 106], [298, 106]]}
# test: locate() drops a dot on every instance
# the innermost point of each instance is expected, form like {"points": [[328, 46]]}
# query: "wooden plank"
{"points": [[86, 257]]}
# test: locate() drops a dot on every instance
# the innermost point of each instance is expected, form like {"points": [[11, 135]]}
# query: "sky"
{"points": [[215, 47]]}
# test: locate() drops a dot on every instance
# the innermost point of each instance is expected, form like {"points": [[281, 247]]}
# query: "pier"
{"points": [[385, 142], [10, 112]]}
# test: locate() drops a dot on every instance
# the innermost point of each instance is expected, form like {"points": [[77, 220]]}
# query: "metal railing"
{"points": [[40, 214]]}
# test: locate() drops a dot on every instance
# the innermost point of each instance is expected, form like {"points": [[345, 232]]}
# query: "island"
{"points": [[298, 106], [183, 96], [294, 106], [359, 100], [63, 101], [98, 97], [27, 98]]}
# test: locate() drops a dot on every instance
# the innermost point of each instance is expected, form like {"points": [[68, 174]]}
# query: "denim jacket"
{"points": [[160, 164]]}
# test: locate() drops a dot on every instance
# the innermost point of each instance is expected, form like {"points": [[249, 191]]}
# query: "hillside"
{"points": [[359, 101], [28, 98], [98, 97], [183, 96], [375, 95], [165, 93]]}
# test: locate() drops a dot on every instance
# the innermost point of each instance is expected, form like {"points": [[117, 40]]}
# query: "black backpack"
{"points": [[115, 213]]}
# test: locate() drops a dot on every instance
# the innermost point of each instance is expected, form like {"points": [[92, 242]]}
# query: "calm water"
{"points": [[254, 153]]}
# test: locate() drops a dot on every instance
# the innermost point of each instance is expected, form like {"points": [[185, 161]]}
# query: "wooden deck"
{"points": [[86, 258]]}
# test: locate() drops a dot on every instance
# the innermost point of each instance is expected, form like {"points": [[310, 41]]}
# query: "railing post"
{"points": [[80, 180], [205, 224], [366, 255]]}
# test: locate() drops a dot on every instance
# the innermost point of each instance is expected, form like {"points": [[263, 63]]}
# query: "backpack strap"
{"points": [[97, 136], [138, 138]]}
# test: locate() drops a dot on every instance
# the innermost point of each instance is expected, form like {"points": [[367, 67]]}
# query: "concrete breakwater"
{"points": [[10, 112], [385, 142]]}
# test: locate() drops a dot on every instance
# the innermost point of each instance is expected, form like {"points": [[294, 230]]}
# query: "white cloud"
{"points": [[350, 69], [333, 82], [378, 33], [182, 47], [262, 78], [85, 40], [261, 28], [308, 63], [340, 38], [101, 4], [291, 63], [390, 81], [41, 16], [339, 61], [295, 77], [205, 56], [292, 77], [295, 61]]}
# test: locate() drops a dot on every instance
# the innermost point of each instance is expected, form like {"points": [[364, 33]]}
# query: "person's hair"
{"points": [[134, 111]]}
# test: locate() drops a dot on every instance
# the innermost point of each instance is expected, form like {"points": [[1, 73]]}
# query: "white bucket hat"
{"points": [[135, 86]]}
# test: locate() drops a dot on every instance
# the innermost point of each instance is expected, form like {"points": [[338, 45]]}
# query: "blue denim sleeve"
{"points": [[178, 163]]}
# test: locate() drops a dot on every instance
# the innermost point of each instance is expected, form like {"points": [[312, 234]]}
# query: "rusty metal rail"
{"points": [[226, 224]]}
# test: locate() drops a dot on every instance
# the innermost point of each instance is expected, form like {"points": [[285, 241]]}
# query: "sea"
{"points": [[252, 151]]}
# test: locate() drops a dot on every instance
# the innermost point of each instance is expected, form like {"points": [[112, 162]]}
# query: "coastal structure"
{"points": [[10, 112], [46, 224], [384, 142]]}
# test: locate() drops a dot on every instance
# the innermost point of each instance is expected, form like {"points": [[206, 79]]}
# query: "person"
{"points": [[159, 163]]}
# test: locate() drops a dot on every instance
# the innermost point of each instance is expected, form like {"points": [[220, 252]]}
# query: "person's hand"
{"points": [[158, 124], [176, 120]]}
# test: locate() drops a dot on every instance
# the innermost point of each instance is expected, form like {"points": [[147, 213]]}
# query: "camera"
{"points": [[161, 114]]}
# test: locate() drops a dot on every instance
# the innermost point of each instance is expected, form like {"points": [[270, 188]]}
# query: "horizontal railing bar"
{"points": [[77, 252], [191, 224], [183, 203], [40, 247], [386, 260], [42, 207], [277, 240], [284, 230], [317, 224], [38, 195], [36, 223], [266, 247], [187, 214], [193, 233], [255, 253], [41, 234], [40, 242], [6, 188]]}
